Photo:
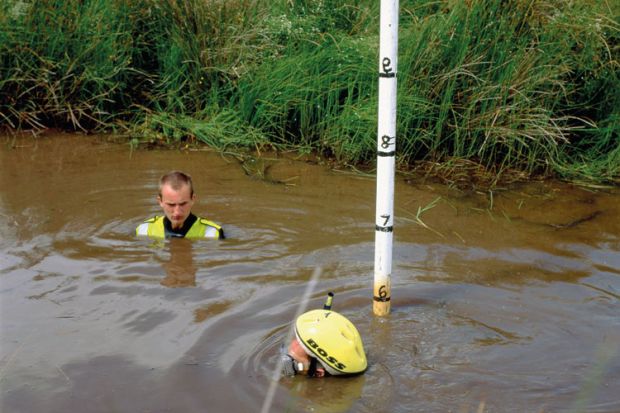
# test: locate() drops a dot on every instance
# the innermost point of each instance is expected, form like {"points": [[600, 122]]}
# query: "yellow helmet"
{"points": [[333, 340]]}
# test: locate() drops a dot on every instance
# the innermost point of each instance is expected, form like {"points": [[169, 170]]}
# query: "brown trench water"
{"points": [[503, 304]]}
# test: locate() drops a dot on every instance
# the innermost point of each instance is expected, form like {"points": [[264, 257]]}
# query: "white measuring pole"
{"points": [[386, 145]]}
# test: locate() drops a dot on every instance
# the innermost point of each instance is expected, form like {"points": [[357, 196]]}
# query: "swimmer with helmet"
{"points": [[325, 343]]}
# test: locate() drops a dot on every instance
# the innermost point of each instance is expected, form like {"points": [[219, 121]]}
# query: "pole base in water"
{"points": [[380, 308]]}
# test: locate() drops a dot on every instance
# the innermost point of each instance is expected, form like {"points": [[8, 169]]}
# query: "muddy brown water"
{"points": [[507, 303]]}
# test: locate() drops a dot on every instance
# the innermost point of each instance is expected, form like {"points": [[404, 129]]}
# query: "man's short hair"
{"points": [[176, 180]]}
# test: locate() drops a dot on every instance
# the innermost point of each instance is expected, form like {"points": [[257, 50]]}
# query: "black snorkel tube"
{"points": [[328, 302]]}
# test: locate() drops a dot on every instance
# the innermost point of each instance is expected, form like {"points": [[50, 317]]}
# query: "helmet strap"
{"points": [[312, 368]]}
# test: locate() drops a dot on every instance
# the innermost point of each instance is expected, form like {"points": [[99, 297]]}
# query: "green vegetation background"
{"points": [[507, 85]]}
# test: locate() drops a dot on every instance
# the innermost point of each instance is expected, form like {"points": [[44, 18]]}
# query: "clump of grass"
{"points": [[88, 64], [525, 85], [221, 130], [492, 86], [596, 158], [65, 63], [203, 49], [310, 97]]}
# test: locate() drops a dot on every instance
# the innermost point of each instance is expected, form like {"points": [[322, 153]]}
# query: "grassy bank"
{"points": [[526, 85]]}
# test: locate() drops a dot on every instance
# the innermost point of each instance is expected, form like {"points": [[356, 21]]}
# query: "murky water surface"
{"points": [[507, 303]]}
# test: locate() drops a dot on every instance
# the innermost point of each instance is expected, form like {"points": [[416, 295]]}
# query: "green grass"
{"points": [[520, 85]]}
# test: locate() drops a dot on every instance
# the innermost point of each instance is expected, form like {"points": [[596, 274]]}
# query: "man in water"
{"points": [[325, 343], [176, 198]]}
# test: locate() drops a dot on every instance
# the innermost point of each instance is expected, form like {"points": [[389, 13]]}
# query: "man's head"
{"points": [[325, 342], [176, 197]]}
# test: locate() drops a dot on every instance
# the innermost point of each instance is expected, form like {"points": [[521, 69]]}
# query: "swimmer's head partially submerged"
{"points": [[325, 342]]}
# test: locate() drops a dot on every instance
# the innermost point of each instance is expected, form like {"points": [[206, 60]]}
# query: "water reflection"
{"points": [[180, 269], [328, 395]]}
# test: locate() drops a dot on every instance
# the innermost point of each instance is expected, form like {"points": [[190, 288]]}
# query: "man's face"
{"points": [[177, 204], [299, 355]]}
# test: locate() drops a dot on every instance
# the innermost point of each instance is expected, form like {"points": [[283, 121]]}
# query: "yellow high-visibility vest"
{"points": [[202, 228]]}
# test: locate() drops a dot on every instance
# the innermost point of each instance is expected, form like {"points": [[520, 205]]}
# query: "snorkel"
{"points": [[328, 301]]}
